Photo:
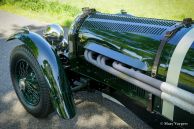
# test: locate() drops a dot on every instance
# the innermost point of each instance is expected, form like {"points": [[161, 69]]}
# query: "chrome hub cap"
{"points": [[22, 84]]}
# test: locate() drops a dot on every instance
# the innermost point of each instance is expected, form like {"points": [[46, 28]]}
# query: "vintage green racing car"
{"points": [[146, 64]]}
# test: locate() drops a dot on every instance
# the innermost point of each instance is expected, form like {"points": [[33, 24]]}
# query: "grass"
{"points": [[64, 11]]}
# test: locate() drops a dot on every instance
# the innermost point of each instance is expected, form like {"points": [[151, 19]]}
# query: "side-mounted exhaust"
{"points": [[165, 91]]}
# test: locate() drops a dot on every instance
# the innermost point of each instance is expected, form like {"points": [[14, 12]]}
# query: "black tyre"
{"points": [[29, 82]]}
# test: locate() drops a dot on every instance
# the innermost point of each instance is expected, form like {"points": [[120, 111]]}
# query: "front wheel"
{"points": [[29, 82]]}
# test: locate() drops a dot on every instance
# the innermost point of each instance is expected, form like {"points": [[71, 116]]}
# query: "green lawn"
{"points": [[64, 11]]}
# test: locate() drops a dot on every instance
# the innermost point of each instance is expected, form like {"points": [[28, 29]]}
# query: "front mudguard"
{"points": [[52, 70]]}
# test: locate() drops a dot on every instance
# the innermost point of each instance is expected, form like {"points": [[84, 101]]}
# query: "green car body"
{"points": [[131, 41]]}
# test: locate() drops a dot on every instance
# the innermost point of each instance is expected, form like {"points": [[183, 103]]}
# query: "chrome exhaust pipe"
{"points": [[129, 79], [161, 89], [101, 64], [178, 102], [163, 86]]}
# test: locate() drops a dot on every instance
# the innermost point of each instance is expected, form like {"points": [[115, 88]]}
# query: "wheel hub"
{"points": [[27, 83], [22, 84]]}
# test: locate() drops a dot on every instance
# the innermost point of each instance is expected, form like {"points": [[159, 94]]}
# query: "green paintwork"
{"points": [[187, 73], [73, 31], [139, 46], [52, 70], [135, 46]]}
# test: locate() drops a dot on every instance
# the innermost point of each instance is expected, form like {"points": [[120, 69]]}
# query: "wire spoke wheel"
{"points": [[27, 82]]}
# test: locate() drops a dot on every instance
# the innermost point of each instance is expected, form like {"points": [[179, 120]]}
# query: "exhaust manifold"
{"points": [[168, 92]]}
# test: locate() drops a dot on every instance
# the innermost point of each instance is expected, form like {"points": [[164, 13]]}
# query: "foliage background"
{"points": [[64, 11]]}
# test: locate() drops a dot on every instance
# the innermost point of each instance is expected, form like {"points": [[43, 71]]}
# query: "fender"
{"points": [[52, 70]]}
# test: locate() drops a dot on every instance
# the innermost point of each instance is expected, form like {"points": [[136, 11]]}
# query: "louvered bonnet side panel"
{"points": [[127, 23]]}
